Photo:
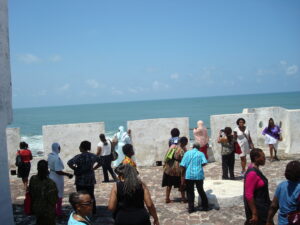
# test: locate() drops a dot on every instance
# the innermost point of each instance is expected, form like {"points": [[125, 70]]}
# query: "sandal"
{"points": [[168, 201]]}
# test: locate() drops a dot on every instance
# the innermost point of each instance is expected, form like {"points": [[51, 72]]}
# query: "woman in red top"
{"points": [[24, 167]]}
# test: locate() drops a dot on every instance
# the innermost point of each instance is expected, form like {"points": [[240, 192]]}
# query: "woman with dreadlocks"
{"points": [[127, 199]]}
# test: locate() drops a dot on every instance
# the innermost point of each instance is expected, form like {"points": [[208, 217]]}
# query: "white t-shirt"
{"points": [[106, 149]]}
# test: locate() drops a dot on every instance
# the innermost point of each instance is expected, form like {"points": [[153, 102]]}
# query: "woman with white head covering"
{"points": [[123, 138], [201, 136], [57, 174]]}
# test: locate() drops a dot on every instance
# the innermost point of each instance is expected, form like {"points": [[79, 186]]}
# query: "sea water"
{"points": [[31, 120]]}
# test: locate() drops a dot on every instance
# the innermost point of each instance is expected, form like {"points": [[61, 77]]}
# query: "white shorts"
{"points": [[269, 140]]}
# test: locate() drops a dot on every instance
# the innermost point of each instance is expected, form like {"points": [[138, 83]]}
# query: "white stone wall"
{"points": [[5, 116], [13, 140], [256, 120], [150, 137], [69, 136], [218, 122], [292, 137]]}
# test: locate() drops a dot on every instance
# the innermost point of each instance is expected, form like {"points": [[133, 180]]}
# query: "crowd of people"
{"points": [[130, 199]]}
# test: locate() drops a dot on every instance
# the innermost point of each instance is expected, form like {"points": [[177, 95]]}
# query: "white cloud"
{"points": [[136, 90], [291, 70], [116, 91], [174, 76], [283, 63], [92, 83], [206, 75], [156, 85], [288, 69], [29, 58], [55, 58], [64, 88]]}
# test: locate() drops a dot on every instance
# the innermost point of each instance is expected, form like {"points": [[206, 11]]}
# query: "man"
{"points": [[192, 173]]}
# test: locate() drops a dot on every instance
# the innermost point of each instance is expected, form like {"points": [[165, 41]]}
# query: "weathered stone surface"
{"points": [[150, 137], [69, 136]]}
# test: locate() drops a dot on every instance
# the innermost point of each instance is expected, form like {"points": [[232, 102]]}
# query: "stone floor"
{"points": [[169, 214]]}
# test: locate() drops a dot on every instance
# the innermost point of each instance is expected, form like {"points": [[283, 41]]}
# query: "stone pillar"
{"points": [[6, 211]]}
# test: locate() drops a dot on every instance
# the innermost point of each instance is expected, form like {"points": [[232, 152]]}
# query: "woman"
{"points": [[127, 199], [242, 134], [175, 133], [228, 146], [172, 170], [201, 136], [123, 138], [256, 191], [44, 195], [104, 151], [57, 174], [82, 204], [128, 152], [272, 135], [84, 166], [287, 195], [24, 166]]}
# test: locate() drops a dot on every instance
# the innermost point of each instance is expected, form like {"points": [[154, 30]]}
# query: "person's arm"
{"points": [[71, 164], [250, 183], [30, 155], [149, 204], [182, 169], [112, 202], [272, 211], [98, 161], [62, 173], [99, 150]]}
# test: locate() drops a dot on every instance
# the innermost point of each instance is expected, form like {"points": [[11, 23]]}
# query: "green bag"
{"points": [[170, 153]]}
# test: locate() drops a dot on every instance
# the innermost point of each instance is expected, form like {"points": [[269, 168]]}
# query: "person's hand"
{"points": [[252, 146], [70, 176], [182, 181], [156, 222], [254, 219]]}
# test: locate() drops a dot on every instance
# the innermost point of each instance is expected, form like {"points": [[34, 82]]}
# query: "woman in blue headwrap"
{"points": [[57, 174], [123, 138]]}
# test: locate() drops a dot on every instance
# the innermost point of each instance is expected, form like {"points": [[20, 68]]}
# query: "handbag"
{"points": [[18, 159], [27, 204], [237, 148], [170, 153], [294, 217], [113, 154]]}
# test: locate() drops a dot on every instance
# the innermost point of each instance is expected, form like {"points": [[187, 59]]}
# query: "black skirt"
{"points": [[170, 181], [24, 169]]}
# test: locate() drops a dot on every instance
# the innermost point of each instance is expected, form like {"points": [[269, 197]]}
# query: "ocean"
{"points": [[31, 120]]}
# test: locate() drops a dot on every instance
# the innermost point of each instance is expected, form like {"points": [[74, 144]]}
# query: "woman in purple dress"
{"points": [[272, 135]]}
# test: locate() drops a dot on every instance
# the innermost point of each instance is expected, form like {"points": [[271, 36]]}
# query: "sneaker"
{"points": [[191, 210]]}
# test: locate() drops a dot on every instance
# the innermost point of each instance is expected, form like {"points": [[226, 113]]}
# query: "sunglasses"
{"points": [[87, 203]]}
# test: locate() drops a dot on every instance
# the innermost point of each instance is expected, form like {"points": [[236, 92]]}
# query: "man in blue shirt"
{"points": [[192, 173]]}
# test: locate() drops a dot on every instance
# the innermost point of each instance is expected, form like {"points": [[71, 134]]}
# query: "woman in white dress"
{"points": [[242, 134], [57, 174], [123, 138]]}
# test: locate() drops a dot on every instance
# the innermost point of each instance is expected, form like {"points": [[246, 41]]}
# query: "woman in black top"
{"points": [[127, 199]]}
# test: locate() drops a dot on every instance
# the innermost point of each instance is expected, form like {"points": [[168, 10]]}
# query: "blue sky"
{"points": [[78, 52]]}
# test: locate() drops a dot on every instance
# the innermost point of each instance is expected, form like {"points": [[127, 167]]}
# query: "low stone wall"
{"points": [[150, 137], [256, 120], [69, 136], [13, 140]]}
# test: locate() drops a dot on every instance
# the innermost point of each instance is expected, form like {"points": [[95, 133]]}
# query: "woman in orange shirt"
{"points": [[24, 166]]}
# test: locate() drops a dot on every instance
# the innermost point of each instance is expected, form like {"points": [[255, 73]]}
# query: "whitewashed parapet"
{"points": [[256, 120], [150, 137], [13, 140], [218, 122], [69, 136]]}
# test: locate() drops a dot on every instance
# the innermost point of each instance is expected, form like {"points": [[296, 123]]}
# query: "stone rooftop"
{"points": [[169, 214]]}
